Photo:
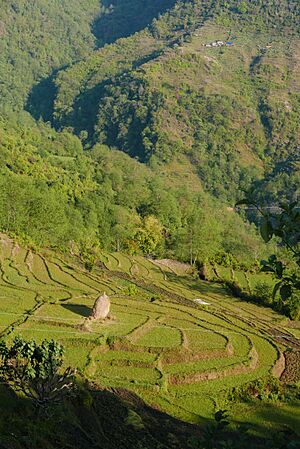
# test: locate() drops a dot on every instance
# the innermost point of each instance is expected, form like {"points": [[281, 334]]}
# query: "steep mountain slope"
{"points": [[54, 193], [233, 110], [148, 142], [230, 117], [37, 37], [219, 118]]}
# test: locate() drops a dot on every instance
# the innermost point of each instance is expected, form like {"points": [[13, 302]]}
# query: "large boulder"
{"points": [[101, 308]]}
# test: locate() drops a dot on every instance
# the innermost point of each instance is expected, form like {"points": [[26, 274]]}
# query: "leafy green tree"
{"points": [[200, 237], [149, 235], [283, 224], [33, 370], [243, 8]]}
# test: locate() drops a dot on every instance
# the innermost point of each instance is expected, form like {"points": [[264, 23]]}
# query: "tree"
{"points": [[285, 225], [243, 8], [200, 237], [150, 235], [33, 370]]}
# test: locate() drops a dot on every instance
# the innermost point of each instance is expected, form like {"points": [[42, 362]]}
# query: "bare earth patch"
{"points": [[291, 373]]}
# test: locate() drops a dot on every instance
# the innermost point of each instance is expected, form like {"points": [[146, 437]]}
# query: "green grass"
{"points": [[126, 355], [164, 337], [117, 373], [204, 365], [267, 417], [205, 340], [158, 348], [77, 352]]}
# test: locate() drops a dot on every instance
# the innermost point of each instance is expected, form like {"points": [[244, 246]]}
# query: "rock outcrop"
{"points": [[101, 308]]}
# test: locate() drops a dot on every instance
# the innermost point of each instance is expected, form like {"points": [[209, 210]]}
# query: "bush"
{"points": [[263, 291], [132, 290], [226, 260], [269, 388], [33, 370]]}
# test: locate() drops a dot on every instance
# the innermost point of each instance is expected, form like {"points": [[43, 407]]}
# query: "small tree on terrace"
{"points": [[34, 370]]}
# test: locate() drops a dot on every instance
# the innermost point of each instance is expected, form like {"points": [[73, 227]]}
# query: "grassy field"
{"points": [[159, 342]]}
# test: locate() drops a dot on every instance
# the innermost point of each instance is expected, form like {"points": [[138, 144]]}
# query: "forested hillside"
{"points": [[200, 121], [233, 110], [53, 193], [38, 37]]}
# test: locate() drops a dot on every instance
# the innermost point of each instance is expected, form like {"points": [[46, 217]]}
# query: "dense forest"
{"points": [[54, 193], [147, 141], [235, 115]]}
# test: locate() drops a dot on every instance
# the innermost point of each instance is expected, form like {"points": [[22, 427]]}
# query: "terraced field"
{"points": [[160, 341]]}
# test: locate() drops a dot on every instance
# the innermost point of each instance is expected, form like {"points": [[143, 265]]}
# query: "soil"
{"points": [[173, 265], [279, 366], [285, 338], [291, 374]]}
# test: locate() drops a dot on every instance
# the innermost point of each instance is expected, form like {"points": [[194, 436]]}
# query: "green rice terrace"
{"points": [[178, 342]]}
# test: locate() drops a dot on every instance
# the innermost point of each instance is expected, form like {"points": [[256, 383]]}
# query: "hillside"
{"points": [[129, 130], [159, 343], [48, 183], [164, 95], [232, 110], [37, 38]]}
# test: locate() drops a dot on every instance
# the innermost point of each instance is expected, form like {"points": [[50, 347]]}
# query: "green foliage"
{"points": [[225, 260], [155, 103], [268, 389], [263, 291], [149, 236], [148, 99], [285, 225], [38, 37], [127, 115], [206, 124], [132, 290], [33, 370], [48, 183], [133, 419], [141, 97], [214, 436]]}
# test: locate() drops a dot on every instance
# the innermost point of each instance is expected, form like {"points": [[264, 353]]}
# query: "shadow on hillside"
{"points": [[40, 101], [121, 18], [79, 309], [282, 419], [200, 286], [93, 418], [118, 418], [85, 109]]}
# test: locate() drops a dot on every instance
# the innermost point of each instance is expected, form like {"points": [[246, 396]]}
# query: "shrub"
{"points": [[132, 290], [33, 370], [263, 291], [226, 260], [269, 388]]}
